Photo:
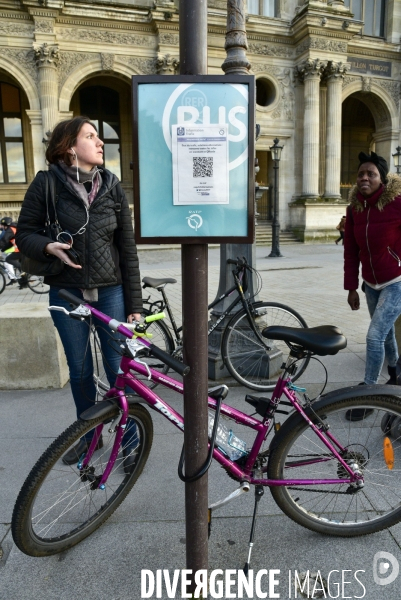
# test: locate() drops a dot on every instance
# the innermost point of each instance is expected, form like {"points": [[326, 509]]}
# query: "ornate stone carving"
{"points": [[145, 66], [68, 61], [16, 29], [348, 79], [322, 44], [107, 61], [106, 37], [336, 70], [167, 64], [366, 84], [44, 25], [270, 50], [392, 87], [171, 39], [24, 59], [310, 68], [285, 105], [46, 55], [379, 108]]}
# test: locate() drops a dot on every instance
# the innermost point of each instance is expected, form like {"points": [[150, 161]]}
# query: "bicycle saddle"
{"points": [[323, 340], [155, 283]]}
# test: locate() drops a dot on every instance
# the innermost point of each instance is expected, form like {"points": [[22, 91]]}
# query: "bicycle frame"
{"points": [[283, 388], [241, 289]]}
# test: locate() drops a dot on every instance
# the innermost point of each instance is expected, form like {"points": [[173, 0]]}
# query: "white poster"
{"points": [[200, 164]]}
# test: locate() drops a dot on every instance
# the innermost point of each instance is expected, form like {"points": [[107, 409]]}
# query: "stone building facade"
{"points": [[327, 78]]}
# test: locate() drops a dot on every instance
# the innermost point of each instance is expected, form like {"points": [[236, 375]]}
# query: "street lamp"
{"points": [[276, 155], [396, 158]]}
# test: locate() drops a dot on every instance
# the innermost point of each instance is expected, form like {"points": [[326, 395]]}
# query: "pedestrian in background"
{"points": [[93, 213], [373, 239], [340, 228]]}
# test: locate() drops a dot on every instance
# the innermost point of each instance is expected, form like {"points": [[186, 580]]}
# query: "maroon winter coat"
{"points": [[373, 235]]}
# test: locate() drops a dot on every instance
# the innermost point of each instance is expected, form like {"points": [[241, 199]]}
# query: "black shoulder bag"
{"points": [[49, 265]]}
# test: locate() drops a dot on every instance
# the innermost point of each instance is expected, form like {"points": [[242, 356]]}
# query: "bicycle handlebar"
{"points": [[171, 362], [71, 298], [238, 262]]}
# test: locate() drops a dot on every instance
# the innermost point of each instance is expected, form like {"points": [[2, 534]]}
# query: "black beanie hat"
{"points": [[377, 160]]}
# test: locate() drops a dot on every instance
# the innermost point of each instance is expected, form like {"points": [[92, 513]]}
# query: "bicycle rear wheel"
{"points": [[36, 284], [255, 361], [56, 507], [341, 509]]}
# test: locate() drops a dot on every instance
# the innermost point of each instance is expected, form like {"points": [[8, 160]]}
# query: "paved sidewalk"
{"points": [[148, 530]]}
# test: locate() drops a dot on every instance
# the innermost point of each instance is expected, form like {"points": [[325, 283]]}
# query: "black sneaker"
{"points": [[74, 454], [11, 282]]}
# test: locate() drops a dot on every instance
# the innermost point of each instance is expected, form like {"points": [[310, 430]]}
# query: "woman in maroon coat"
{"points": [[373, 239]]}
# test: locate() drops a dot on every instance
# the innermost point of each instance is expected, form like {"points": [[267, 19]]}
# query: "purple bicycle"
{"points": [[328, 470]]}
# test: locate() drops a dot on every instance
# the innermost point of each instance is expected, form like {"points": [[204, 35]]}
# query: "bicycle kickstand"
{"points": [[259, 491]]}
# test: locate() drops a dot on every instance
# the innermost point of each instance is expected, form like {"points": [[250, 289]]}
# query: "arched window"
{"points": [[12, 162], [102, 106], [372, 12], [266, 8]]}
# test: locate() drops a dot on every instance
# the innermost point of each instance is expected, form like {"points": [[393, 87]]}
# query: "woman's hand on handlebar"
{"points": [[135, 317], [57, 249]]}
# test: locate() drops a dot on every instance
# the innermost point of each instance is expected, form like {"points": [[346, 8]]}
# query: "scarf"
{"points": [[89, 182]]}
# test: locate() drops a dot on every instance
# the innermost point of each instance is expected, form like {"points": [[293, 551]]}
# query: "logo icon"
{"points": [[180, 130], [382, 561], [195, 221]]}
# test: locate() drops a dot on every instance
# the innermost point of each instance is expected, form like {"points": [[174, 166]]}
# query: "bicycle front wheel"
{"points": [[253, 360], [59, 506], [36, 284], [342, 509]]}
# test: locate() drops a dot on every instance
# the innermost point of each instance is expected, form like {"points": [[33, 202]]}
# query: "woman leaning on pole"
{"points": [[373, 239], [94, 216]]}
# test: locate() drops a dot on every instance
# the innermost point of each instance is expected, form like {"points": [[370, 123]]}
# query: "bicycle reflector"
{"points": [[388, 453]]}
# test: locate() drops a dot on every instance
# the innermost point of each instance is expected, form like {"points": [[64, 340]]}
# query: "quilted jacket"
{"points": [[106, 247], [373, 235]]}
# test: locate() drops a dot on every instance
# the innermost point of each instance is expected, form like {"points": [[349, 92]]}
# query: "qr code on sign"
{"points": [[202, 166]]}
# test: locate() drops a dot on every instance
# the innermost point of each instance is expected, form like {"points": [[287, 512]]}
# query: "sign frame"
{"points": [[143, 220]]}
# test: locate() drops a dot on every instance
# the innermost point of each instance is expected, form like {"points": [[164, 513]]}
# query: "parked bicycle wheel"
{"points": [[160, 336], [57, 507], [337, 509], [36, 284], [255, 361], [2, 282]]}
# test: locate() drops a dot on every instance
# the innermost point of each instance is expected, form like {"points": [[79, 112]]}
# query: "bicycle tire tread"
{"points": [[279, 492], [20, 525]]}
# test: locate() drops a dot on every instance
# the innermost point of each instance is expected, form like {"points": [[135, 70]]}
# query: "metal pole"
{"points": [[275, 251], [193, 61], [236, 62]]}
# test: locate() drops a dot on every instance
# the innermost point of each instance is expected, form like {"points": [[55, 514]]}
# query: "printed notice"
{"points": [[200, 164]]}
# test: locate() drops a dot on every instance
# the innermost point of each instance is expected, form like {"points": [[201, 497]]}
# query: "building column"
{"points": [[46, 58], [335, 74], [38, 147], [311, 71]]}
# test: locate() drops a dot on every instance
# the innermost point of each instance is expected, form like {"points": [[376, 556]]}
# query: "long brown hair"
{"points": [[63, 138]]}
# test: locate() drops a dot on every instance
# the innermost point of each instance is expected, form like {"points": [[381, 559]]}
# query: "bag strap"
{"points": [[50, 183]]}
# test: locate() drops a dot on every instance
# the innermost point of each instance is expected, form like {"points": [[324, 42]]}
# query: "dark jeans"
{"points": [[74, 336]]}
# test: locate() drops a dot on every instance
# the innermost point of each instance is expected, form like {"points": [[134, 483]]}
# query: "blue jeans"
{"points": [[74, 336], [384, 307]]}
